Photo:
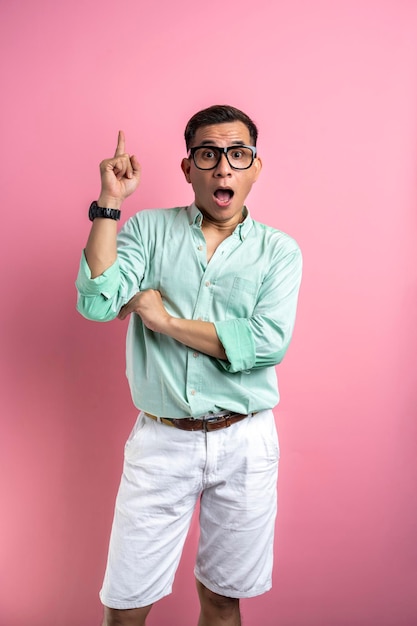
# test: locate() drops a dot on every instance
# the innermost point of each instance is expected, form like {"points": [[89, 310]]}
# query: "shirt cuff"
{"points": [[238, 343], [107, 284]]}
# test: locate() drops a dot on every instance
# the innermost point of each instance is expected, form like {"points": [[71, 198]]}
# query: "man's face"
{"points": [[220, 193]]}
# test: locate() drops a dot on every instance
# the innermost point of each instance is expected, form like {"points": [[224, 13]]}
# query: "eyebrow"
{"points": [[208, 142]]}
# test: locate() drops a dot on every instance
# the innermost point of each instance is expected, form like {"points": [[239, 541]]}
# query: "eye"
{"points": [[208, 154], [236, 154]]}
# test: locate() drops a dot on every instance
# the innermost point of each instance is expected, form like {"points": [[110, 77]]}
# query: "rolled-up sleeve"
{"points": [[101, 298], [263, 339], [97, 297]]}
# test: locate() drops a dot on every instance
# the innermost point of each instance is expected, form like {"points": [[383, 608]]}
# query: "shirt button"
{"points": [[208, 283], [195, 354], [200, 247], [193, 392]]}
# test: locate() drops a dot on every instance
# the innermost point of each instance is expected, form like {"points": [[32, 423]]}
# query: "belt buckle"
{"points": [[223, 419], [207, 421]]}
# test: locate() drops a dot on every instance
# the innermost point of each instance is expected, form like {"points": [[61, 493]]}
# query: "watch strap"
{"points": [[99, 211]]}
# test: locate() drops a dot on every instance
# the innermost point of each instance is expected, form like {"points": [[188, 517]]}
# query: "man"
{"points": [[213, 297]]}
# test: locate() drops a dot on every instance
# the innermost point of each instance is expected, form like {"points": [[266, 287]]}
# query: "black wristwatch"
{"points": [[99, 211]]}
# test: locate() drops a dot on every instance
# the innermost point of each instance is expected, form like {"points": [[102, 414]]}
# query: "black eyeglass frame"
{"points": [[221, 152]]}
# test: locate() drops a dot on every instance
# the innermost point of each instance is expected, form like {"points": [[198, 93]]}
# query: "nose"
{"points": [[223, 168]]}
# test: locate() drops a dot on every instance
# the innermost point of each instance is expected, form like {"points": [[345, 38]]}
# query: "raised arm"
{"points": [[120, 177]]}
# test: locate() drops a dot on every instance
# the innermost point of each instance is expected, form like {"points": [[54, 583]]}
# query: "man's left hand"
{"points": [[149, 306]]}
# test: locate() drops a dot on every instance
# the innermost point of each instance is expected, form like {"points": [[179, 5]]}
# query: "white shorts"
{"points": [[234, 473]]}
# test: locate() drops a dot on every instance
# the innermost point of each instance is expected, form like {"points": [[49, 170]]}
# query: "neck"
{"points": [[226, 226]]}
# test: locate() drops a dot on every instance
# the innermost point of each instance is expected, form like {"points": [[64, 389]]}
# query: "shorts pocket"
{"points": [[139, 425], [265, 435]]}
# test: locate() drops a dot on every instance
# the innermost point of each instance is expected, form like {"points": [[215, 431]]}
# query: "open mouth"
{"points": [[223, 196]]}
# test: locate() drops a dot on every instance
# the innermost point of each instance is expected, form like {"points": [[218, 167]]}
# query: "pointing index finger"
{"points": [[120, 144]]}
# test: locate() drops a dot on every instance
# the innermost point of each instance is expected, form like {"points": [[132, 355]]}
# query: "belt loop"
{"points": [[158, 419]]}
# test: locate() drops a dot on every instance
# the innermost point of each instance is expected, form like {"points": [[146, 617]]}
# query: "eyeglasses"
{"points": [[208, 157]]}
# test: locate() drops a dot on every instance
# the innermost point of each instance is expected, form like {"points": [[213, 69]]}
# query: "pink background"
{"points": [[333, 88]]}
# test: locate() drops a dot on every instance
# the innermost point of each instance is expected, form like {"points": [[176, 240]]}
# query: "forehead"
{"points": [[223, 134]]}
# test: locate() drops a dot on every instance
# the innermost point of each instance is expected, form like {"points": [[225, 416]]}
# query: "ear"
{"points": [[186, 166], [257, 165]]}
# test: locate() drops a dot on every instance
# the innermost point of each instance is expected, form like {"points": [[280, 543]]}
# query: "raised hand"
{"points": [[120, 176]]}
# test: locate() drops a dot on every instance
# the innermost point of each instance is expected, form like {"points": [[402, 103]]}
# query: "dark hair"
{"points": [[218, 114]]}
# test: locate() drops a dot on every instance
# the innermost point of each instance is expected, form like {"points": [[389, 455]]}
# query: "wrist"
{"points": [[166, 324], [109, 202]]}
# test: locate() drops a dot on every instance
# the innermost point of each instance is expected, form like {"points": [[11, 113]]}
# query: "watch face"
{"points": [[91, 210]]}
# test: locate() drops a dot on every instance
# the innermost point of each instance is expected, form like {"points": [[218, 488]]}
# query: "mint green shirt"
{"points": [[248, 290]]}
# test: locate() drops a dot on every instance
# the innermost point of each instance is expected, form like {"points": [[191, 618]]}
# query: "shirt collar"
{"points": [[196, 218]]}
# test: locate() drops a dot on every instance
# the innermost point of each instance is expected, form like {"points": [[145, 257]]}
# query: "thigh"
{"points": [[238, 509], [160, 484]]}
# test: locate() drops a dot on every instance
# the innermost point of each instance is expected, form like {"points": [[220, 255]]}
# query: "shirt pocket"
{"points": [[242, 298]]}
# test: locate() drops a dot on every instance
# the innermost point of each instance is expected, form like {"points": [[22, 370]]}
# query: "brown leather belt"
{"points": [[207, 425]]}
